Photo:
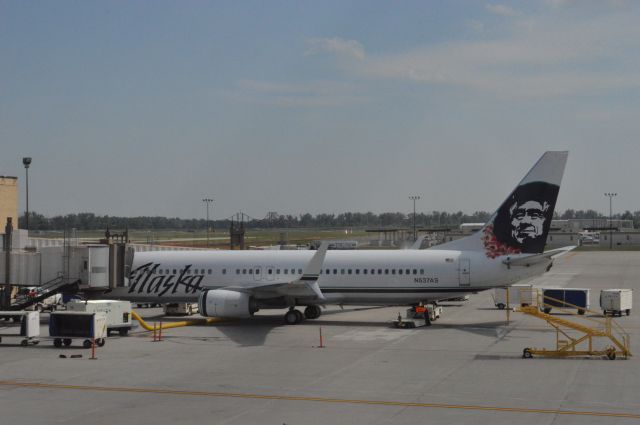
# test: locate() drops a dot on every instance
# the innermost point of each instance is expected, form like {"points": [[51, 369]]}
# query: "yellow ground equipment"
{"points": [[574, 331], [207, 321]]}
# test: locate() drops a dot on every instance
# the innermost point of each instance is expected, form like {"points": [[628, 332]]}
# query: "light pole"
{"points": [[414, 198], [207, 201], [26, 162], [610, 196]]}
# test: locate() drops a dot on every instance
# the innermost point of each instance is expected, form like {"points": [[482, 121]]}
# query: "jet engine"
{"points": [[225, 303]]}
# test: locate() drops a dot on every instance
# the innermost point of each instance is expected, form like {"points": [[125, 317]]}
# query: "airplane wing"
{"points": [[538, 258], [306, 286]]}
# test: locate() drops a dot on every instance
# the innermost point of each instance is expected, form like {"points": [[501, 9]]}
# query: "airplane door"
{"points": [[464, 272], [257, 273]]}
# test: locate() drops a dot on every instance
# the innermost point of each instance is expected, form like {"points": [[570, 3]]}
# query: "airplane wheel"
{"points": [[101, 342], [66, 342], [57, 342], [501, 306], [86, 343], [526, 353], [291, 318], [312, 312], [299, 316]]}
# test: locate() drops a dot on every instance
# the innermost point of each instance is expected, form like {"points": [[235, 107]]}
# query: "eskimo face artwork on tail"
{"points": [[522, 223]]}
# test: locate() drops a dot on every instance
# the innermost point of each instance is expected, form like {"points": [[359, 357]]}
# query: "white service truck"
{"points": [[616, 301], [118, 313]]}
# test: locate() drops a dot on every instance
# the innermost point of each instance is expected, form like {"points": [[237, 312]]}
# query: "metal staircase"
{"points": [[574, 331], [40, 293]]}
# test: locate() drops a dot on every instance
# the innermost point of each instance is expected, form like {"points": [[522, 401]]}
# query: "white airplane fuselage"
{"points": [[371, 277]]}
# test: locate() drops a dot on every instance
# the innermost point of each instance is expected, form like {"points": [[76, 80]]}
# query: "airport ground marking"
{"points": [[161, 391]]}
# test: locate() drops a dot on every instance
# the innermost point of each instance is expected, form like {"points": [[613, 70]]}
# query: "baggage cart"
{"points": [[64, 326]]}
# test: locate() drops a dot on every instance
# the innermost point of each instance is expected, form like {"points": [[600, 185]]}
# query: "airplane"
{"points": [[236, 284]]}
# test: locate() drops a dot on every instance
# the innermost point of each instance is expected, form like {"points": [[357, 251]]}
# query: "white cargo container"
{"points": [[118, 313], [28, 327], [519, 294], [616, 301]]}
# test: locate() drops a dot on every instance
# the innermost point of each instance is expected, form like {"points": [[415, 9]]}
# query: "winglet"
{"points": [[418, 243], [314, 267], [312, 271]]}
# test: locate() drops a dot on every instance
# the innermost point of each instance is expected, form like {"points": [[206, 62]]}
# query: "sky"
{"points": [[135, 108]]}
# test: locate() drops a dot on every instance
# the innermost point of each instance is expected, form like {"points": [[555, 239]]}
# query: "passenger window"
{"points": [[257, 271], [224, 271], [277, 271], [386, 271], [286, 271], [380, 271], [421, 271], [415, 271], [349, 271], [393, 271], [237, 271], [174, 271], [335, 271], [244, 271], [270, 271], [293, 271], [209, 271], [364, 271], [299, 271], [250, 271], [328, 271], [341, 271], [407, 271], [399, 271]]}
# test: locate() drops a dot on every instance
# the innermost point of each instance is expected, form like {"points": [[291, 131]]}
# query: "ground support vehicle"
{"points": [[64, 326], [118, 313], [614, 302], [565, 298], [180, 309], [418, 316], [519, 294], [27, 323]]}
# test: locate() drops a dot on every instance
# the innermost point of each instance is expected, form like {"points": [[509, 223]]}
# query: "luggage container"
{"points": [[519, 294], [64, 326], [118, 313], [616, 301], [27, 324], [566, 298]]}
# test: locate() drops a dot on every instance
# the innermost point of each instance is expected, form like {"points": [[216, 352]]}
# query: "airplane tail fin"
{"points": [[521, 224]]}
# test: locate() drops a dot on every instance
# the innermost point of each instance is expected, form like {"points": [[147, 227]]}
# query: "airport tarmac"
{"points": [[465, 369]]}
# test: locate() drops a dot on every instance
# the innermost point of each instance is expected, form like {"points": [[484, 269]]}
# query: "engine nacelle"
{"points": [[224, 303]]}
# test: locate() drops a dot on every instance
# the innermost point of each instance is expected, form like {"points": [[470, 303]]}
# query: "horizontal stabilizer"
{"points": [[537, 258]]}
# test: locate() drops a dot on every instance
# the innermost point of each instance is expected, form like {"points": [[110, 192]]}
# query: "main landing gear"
{"points": [[293, 316]]}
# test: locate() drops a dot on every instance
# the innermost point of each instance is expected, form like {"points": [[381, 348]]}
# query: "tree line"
{"points": [[434, 219]]}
